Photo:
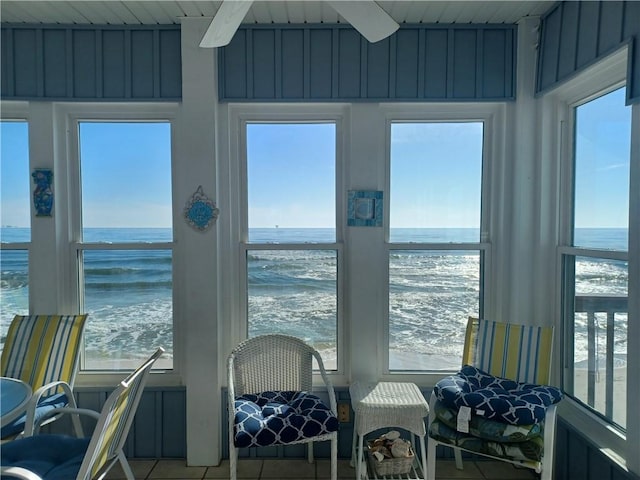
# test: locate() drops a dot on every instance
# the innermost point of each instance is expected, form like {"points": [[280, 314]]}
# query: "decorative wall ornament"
{"points": [[200, 211], [364, 208], [43, 193]]}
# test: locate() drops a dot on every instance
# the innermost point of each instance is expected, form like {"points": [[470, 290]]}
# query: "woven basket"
{"points": [[391, 466]]}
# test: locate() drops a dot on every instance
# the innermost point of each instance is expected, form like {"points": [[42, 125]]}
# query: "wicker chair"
{"points": [[270, 400]]}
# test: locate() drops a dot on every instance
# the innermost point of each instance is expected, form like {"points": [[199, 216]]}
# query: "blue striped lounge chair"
{"points": [[499, 404], [42, 351]]}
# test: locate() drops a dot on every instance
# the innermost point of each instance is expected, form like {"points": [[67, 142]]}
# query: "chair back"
{"points": [[271, 362], [115, 420], [40, 349], [518, 352]]}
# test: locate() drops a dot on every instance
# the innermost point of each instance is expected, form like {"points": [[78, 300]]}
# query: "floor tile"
{"points": [[504, 471], [447, 469], [323, 469], [285, 468], [248, 469], [176, 469], [140, 468]]}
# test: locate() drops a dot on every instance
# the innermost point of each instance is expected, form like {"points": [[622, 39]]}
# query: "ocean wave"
{"points": [[140, 285]]}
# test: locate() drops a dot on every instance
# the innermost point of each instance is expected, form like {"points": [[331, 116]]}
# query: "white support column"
{"points": [[195, 278], [44, 274], [365, 309], [523, 185]]}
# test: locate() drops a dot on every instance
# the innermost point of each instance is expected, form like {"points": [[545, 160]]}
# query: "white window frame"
{"points": [[239, 117], [492, 116], [70, 116], [603, 77]]}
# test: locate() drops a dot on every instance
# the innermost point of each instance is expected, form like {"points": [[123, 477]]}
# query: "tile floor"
{"points": [[256, 469]]}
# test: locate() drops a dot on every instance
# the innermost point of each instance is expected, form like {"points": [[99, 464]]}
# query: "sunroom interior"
{"points": [[367, 197]]}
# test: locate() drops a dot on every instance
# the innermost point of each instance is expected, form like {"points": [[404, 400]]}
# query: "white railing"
{"points": [[591, 305]]}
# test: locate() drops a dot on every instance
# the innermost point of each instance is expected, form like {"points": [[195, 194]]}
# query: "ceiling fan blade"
{"points": [[225, 23], [367, 17]]}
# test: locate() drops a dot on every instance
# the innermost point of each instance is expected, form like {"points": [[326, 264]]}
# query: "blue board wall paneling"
{"points": [[25, 68], [159, 427], [55, 56], [349, 64], [113, 64], [334, 63], [292, 64], [574, 35], [435, 64], [406, 64], [587, 33], [97, 63], [320, 64]]}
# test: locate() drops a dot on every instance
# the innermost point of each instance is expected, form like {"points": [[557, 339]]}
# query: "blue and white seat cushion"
{"points": [[490, 429], [524, 452], [271, 418], [496, 398]]}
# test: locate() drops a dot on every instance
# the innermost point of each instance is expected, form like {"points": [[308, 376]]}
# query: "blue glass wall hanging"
{"points": [[200, 211], [43, 193], [364, 208]]}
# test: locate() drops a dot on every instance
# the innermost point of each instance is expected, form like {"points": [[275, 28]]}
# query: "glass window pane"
{"points": [[436, 180], [295, 292], [14, 294], [126, 197], [602, 155], [126, 177], [15, 204], [431, 295], [600, 336], [291, 178], [15, 188], [128, 296]]}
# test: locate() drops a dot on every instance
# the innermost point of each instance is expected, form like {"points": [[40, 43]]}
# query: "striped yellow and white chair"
{"points": [[62, 457], [499, 404], [42, 351]]}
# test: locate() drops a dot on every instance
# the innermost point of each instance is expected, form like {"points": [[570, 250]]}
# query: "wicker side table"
{"points": [[387, 404]]}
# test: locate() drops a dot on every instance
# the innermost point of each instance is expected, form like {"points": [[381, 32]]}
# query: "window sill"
{"points": [[610, 441], [110, 379]]}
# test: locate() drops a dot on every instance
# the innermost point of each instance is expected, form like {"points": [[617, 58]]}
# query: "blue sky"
{"points": [[435, 172], [602, 162]]}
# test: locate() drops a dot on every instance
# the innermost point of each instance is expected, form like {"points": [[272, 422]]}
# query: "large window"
{"points": [[15, 232], [291, 251], [596, 269], [125, 249], [435, 255]]}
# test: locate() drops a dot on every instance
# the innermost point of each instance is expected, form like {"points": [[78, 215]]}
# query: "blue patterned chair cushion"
{"points": [[496, 398], [523, 452], [280, 418], [489, 429], [51, 457]]}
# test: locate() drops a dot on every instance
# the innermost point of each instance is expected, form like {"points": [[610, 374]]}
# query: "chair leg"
{"points": [[334, 457], [431, 459], [352, 463], [126, 468], [310, 452], [233, 462], [457, 453], [549, 443]]}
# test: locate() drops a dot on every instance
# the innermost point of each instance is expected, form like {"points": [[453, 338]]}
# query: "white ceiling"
{"points": [[262, 11]]}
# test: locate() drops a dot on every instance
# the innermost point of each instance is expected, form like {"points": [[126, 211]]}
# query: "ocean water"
{"points": [[431, 293]]}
